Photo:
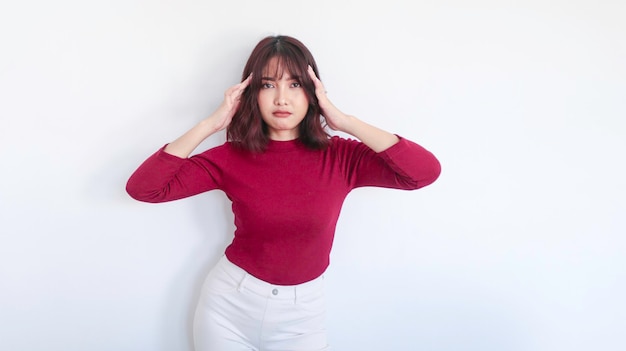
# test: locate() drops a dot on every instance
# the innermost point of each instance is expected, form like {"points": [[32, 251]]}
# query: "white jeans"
{"points": [[238, 312]]}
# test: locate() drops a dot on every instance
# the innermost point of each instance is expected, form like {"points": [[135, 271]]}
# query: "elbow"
{"points": [[428, 174], [134, 192], [139, 193], [431, 174]]}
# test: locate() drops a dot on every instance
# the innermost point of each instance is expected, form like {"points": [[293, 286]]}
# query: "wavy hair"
{"points": [[247, 129]]}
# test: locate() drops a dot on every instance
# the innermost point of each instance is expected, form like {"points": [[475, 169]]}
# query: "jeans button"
{"points": [[275, 292]]}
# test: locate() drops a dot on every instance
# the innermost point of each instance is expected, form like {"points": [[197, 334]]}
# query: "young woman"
{"points": [[287, 179]]}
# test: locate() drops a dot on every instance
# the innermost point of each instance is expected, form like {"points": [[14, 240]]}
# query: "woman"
{"points": [[287, 180]]}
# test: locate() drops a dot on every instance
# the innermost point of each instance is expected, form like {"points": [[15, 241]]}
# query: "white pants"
{"points": [[238, 312]]}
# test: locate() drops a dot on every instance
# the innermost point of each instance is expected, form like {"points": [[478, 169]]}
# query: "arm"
{"points": [[185, 144], [404, 165], [169, 174], [165, 177], [394, 162], [375, 138]]}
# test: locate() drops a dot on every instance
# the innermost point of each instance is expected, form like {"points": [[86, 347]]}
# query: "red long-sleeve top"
{"points": [[286, 200]]}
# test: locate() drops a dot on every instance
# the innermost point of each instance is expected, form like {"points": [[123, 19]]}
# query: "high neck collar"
{"points": [[284, 145]]}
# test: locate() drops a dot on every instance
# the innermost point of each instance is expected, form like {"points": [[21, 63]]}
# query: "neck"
{"points": [[283, 135]]}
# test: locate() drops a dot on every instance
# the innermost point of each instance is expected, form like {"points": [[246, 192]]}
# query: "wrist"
{"points": [[349, 125]]}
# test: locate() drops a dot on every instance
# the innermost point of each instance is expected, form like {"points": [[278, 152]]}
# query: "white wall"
{"points": [[518, 246]]}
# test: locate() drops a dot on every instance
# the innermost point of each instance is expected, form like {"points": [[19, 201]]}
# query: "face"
{"points": [[282, 101]]}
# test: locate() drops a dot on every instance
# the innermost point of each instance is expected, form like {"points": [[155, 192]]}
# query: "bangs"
{"points": [[280, 64]]}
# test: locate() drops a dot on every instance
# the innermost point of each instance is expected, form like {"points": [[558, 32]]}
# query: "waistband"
{"points": [[246, 281]]}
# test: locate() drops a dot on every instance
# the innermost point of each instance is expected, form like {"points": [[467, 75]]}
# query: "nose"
{"points": [[281, 96]]}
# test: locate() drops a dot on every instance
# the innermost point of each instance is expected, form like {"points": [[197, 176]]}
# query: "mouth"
{"points": [[281, 114]]}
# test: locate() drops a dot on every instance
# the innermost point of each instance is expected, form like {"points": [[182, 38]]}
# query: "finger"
{"points": [[311, 72], [229, 92], [246, 81], [314, 78], [319, 86], [238, 88], [242, 86]]}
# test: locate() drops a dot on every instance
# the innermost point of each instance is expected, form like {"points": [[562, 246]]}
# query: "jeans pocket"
{"points": [[218, 281], [312, 304]]}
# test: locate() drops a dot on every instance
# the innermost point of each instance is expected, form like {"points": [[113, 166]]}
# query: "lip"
{"points": [[281, 114]]}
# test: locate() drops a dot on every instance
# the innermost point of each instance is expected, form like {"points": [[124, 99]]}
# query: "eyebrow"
{"points": [[273, 79]]}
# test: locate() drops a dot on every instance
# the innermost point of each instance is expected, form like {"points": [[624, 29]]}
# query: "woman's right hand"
{"points": [[222, 117]]}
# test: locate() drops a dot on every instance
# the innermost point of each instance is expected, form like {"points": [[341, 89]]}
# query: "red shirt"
{"points": [[286, 200]]}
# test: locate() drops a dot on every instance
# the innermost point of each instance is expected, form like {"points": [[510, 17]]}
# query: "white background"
{"points": [[518, 246]]}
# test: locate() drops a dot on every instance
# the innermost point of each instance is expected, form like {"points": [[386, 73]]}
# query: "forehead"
{"points": [[276, 68]]}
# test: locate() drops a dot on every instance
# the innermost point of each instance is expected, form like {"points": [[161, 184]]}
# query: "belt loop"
{"points": [[242, 282]]}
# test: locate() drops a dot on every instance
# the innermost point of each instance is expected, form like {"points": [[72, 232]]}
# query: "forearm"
{"points": [[184, 146], [165, 177], [374, 137], [186, 143]]}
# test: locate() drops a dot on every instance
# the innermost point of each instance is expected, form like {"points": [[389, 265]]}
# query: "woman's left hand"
{"points": [[335, 119]]}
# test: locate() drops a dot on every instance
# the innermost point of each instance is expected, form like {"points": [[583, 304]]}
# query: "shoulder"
{"points": [[224, 149], [347, 146], [337, 141], [217, 154]]}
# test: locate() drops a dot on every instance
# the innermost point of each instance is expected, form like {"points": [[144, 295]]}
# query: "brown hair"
{"points": [[247, 128]]}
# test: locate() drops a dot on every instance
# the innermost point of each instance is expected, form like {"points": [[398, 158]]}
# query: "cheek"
{"points": [[305, 102], [264, 100], [302, 98]]}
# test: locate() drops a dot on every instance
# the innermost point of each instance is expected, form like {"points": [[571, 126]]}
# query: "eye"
{"points": [[267, 85], [296, 85]]}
